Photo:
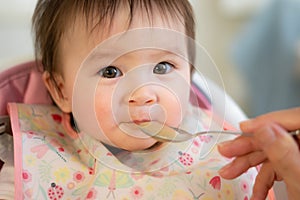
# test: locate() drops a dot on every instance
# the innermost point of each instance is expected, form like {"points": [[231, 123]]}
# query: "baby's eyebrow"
{"points": [[176, 50], [104, 56], [127, 43], [115, 53], [168, 53]]}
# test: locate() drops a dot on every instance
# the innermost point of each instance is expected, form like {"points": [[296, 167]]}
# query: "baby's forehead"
{"points": [[121, 32], [142, 41], [124, 32], [123, 20]]}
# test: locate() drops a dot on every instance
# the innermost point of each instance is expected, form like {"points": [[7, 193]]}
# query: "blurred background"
{"points": [[254, 43], [15, 32], [256, 46]]}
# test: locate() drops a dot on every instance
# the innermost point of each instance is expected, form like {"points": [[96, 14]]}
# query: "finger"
{"points": [[241, 164], [263, 182], [237, 147], [281, 150], [288, 119]]}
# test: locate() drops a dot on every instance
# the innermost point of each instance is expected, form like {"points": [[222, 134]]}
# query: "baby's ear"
{"points": [[56, 87]]}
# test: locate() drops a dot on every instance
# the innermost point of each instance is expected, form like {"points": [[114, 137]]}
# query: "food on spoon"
{"points": [[158, 130]]}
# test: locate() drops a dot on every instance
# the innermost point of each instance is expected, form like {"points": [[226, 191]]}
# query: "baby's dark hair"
{"points": [[52, 19]]}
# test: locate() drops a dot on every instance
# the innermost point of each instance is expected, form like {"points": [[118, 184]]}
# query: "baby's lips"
{"points": [[138, 122]]}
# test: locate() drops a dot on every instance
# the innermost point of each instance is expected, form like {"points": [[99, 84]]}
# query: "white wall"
{"points": [[15, 33]]}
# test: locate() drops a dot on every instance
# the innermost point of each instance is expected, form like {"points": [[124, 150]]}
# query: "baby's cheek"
{"points": [[103, 111], [176, 105], [174, 112]]}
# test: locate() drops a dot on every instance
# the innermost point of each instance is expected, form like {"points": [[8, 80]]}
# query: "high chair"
{"points": [[23, 84]]}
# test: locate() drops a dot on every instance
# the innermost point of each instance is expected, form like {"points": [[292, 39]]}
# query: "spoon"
{"points": [[165, 133]]}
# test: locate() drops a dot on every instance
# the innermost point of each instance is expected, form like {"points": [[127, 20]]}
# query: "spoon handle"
{"points": [[295, 134], [223, 132]]}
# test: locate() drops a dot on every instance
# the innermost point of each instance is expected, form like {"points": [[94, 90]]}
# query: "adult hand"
{"points": [[270, 146]]}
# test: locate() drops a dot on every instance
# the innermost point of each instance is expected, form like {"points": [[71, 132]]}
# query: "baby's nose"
{"points": [[143, 96]]}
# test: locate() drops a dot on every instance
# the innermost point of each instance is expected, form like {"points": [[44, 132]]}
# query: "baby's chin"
{"points": [[152, 147], [157, 145], [137, 146]]}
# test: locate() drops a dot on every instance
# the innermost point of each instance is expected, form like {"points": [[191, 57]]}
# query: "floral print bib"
{"points": [[53, 164]]}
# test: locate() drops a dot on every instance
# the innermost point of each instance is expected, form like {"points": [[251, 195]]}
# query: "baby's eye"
{"points": [[110, 72], [163, 68]]}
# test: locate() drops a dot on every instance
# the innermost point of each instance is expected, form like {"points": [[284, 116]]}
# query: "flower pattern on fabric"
{"points": [[57, 166], [215, 182], [62, 174], [92, 194], [27, 177], [137, 192], [78, 176]]}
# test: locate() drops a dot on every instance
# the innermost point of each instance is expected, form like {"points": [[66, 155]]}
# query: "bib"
{"points": [[53, 164]]}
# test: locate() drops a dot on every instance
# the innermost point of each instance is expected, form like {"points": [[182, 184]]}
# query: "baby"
{"points": [[110, 66]]}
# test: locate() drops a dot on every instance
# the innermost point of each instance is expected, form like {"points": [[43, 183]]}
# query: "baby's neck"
{"points": [[114, 150]]}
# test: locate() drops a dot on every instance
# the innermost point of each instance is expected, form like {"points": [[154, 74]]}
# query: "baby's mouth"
{"points": [[139, 122]]}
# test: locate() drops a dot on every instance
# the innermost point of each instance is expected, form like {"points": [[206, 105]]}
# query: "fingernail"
{"points": [[224, 144], [247, 125], [224, 172]]}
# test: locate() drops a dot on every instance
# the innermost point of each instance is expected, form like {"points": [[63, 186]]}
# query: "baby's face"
{"points": [[138, 76]]}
